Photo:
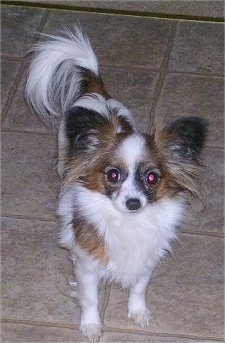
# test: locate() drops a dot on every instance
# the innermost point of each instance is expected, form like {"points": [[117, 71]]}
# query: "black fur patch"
{"points": [[188, 136], [140, 180], [82, 129]]}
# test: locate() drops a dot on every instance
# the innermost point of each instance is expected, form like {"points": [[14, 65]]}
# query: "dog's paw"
{"points": [[141, 317], [92, 331]]}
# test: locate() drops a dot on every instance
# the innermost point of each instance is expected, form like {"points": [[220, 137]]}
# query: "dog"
{"points": [[123, 192]]}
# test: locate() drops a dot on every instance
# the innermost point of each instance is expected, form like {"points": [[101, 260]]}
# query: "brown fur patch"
{"points": [[167, 188], [125, 125], [89, 240], [88, 167], [91, 83]]}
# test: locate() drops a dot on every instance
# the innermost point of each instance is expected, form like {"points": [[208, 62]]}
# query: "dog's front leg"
{"points": [[137, 309], [90, 324]]}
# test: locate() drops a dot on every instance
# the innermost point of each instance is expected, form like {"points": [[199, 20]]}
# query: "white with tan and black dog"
{"points": [[123, 192]]}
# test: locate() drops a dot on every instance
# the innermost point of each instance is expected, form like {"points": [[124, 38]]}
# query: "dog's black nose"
{"points": [[133, 204]]}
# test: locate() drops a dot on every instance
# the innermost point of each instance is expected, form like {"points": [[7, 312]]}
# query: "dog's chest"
{"points": [[134, 247]]}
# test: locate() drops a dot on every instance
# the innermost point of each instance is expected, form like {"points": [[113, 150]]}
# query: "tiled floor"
{"points": [[157, 67]]}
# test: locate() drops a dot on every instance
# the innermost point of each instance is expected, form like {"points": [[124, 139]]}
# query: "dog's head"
{"points": [[134, 170]]}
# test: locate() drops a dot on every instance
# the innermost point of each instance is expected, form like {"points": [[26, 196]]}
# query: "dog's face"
{"points": [[132, 169], [132, 175]]}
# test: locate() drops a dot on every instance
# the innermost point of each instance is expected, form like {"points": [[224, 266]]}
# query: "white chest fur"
{"points": [[135, 242]]}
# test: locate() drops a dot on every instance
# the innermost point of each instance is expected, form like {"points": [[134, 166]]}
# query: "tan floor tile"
{"points": [[35, 274], [198, 48], [12, 333], [119, 40], [20, 115], [189, 8], [207, 213], [9, 71], [29, 182], [120, 337], [186, 292], [189, 95], [135, 89], [19, 25], [203, 8]]}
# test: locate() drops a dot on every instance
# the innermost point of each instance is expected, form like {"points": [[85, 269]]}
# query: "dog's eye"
{"points": [[152, 177], [113, 175]]}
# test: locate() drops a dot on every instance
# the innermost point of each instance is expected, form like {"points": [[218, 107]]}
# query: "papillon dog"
{"points": [[122, 191]]}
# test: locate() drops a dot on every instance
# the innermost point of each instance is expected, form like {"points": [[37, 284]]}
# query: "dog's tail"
{"points": [[63, 69]]}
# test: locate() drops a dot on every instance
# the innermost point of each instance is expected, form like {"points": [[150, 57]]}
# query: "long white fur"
{"points": [[122, 231], [54, 75]]}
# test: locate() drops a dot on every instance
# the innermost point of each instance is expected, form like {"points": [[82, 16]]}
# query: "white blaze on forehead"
{"points": [[131, 150]]}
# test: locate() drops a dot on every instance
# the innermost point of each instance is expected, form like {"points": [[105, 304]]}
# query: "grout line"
{"points": [[200, 74], [20, 73], [161, 69], [13, 91], [36, 34], [107, 329], [39, 323], [27, 217], [160, 82], [139, 67], [127, 13], [42, 23], [160, 334], [131, 67], [6, 129], [12, 58], [104, 306], [105, 302], [192, 232]]}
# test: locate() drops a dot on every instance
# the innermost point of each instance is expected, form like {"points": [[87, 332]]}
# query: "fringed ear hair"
{"points": [[87, 130], [178, 147], [187, 137], [83, 129]]}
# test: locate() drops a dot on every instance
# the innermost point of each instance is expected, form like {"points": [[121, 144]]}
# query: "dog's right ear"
{"points": [[83, 129]]}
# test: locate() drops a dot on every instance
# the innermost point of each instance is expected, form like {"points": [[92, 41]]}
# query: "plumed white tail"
{"points": [[54, 78]]}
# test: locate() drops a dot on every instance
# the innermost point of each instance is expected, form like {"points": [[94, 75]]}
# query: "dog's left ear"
{"points": [[186, 137], [178, 147]]}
